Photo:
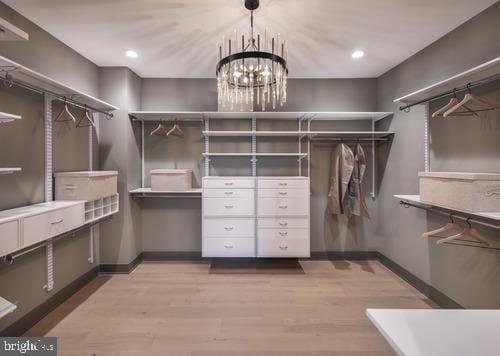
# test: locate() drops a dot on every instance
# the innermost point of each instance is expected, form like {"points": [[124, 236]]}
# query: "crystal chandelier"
{"points": [[253, 72]]}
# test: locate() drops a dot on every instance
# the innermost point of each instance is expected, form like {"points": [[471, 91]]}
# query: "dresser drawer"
{"points": [[229, 247], [282, 207], [228, 183], [273, 234], [282, 193], [229, 228], [283, 183], [283, 247], [228, 193], [282, 223], [9, 237], [229, 206], [43, 226]]}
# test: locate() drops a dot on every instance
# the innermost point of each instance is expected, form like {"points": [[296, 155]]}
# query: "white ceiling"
{"points": [[178, 39]]}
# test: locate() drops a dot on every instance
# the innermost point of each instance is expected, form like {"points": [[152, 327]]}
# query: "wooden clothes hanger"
{"points": [[86, 120], [451, 225], [468, 231], [454, 101], [160, 130], [469, 97], [174, 129], [65, 112]]}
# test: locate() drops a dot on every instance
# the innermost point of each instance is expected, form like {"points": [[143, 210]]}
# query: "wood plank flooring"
{"points": [[179, 308]]}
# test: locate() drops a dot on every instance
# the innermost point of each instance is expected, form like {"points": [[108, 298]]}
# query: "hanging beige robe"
{"points": [[341, 169], [355, 201]]}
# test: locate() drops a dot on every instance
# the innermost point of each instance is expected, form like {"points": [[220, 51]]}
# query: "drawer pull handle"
{"points": [[283, 224], [284, 247], [283, 184], [283, 206], [57, 222], [228, 183], [282, 193], [229, 228], [283, 233], [229, 193], [228, 246], [229, 206]]}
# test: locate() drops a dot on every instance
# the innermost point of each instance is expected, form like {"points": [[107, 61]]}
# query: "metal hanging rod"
{"points": [[9, 82], [468, 86], [406, 204]]}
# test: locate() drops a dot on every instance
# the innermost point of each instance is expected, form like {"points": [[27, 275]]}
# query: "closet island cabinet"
{"points": [[256, 217]]}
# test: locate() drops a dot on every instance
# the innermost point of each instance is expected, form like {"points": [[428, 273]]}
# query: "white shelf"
{"points": [[147, 192], [350, 134], [258, 154], [6, 117], [6, 307], [254, 133], [9, 32], [421, 332], [9, 170], [34, 79], [312, 134], [480, 72], [270, 115], [416, 200], [100, 208]]}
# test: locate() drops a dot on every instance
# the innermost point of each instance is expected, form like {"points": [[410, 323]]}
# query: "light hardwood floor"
{"points": [[179, 308]]}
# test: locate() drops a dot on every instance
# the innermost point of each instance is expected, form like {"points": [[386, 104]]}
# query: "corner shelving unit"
{"points": [[304, 135]]}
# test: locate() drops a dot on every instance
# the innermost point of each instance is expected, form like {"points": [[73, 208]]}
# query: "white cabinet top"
{"points": [[6, 307], [86, 174], [35, 209], [426, 332], [461, 175]]}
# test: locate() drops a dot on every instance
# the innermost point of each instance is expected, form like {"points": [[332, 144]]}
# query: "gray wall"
{"points": [[467, 275], [22, 144], [175, 224]]}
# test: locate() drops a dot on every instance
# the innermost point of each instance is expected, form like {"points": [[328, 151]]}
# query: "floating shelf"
{"points": [[6, 307], [311, 134], [6, 117], [9, 170], [416, 200], [147, 192], [37, 80], [270, 115], [237, 154], [480, 72], [9, 32]]}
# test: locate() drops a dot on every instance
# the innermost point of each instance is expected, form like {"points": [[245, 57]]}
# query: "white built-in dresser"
{"points": [[256, 217]]}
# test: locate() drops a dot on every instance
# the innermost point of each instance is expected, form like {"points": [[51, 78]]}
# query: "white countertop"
{"points": [[6, 307], [439, 332], [30, 210]]}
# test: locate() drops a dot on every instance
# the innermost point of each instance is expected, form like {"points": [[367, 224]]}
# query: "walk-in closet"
{"points": [[245, 177]]}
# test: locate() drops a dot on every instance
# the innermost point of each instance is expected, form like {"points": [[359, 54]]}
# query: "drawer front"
{"points": [[280, 234], [9, 237], [283, 183], [228, 183], [228, 193], [43, 226], [282, 193], [282, 207], [213, 228], [283, 247], [283, 223], [229, 206], [229, 247]]}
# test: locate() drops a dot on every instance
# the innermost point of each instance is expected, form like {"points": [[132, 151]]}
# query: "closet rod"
{"points": [[451, 92], [405, 204], [9, 81], [9, 259]]}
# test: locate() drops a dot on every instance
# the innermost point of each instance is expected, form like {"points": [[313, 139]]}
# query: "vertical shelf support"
{"points": [[206, 121], [299, 123], [374, 165], [142, 153], [254, 146], [427, 158]]}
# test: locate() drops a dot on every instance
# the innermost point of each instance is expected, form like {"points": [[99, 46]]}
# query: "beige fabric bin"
{"points": [[85, 185], [475, 192], [171, 179]]}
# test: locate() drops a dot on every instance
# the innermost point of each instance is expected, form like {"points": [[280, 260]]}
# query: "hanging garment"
{"points": [[340, 174], [355, 201]]}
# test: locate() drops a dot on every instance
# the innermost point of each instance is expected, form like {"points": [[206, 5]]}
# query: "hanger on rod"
{"points": [[451, 225], [469, 97], [160, 130], [454, 101], [468, 231], [65, 115], [175, 130], [86, 120]]}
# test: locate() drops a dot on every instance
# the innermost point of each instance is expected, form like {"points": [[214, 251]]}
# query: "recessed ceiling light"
{"points": [[357, 54], [131, 53]]}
